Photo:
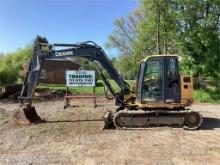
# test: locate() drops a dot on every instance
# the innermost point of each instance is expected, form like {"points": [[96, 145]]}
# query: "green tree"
{"points": [[157, 31], [124, 38], [190, 28], [125, 34], [199, 29], [11, 64], [125, 66], [7, 74]]}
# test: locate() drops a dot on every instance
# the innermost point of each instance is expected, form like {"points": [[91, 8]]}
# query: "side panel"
{"points": [[186, 87]]}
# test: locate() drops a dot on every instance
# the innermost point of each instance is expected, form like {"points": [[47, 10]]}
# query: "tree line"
{"points": [[11, 65], [189, 28], [14, 65]]}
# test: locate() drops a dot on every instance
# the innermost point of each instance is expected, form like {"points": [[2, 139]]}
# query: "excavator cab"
{"points": [[158, 80], [161, 97]]}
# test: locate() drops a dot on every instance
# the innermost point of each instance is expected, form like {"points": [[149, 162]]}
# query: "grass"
{"points": [[198, 95], [206, 97], [98, 90]]}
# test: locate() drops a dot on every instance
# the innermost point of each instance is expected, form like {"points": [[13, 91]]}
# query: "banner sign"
{"points": [[80, 78]]}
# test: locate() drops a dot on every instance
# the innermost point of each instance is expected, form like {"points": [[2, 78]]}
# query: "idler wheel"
{"points": [[192, 120]]}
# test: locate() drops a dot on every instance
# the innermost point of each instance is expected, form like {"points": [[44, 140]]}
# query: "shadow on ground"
{"points": [[210, 123], [71, 121]]}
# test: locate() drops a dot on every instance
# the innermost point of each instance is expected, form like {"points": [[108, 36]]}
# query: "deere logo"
{"points": [[64, 53]]}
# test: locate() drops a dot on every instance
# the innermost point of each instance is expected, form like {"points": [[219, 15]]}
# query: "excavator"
{"points": [[161, 97]]}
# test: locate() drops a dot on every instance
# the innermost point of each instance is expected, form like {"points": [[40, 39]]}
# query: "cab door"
{"points": [[152, 85], [172, 80]]}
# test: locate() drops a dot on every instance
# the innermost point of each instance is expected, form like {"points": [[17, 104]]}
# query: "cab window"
{"points": [[153, 81]]}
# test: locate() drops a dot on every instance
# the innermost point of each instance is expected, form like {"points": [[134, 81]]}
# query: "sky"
{"points": [[60, 21]]}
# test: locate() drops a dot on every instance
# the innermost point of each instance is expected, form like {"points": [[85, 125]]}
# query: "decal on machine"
{"points": [[63, 53]]}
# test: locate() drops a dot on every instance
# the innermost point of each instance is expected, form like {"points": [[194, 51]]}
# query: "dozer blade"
{"points": [[108, 120], [26, 116]]}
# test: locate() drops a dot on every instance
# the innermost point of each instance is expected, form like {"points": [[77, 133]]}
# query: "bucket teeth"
{"points": [[26, 116]]}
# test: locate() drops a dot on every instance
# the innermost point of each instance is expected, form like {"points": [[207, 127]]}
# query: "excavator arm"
{"points": [[88, 50]]}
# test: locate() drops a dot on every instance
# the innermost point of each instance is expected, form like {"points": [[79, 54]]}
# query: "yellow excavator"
{"points": [[161, 96]]}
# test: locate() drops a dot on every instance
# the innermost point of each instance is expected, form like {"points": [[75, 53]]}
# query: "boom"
{"points": [[88, 50]]}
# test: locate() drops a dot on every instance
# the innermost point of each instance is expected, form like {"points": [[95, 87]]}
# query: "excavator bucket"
{"points": [[26, 116]]}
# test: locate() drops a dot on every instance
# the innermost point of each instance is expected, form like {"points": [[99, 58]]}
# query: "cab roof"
{"points": [[166, 55]]}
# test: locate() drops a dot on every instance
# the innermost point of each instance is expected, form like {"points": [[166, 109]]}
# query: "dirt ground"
{"points": [[75, 136]]}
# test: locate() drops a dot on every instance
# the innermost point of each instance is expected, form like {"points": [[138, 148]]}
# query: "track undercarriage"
{"points": [[129, 119], [139, 119]]}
